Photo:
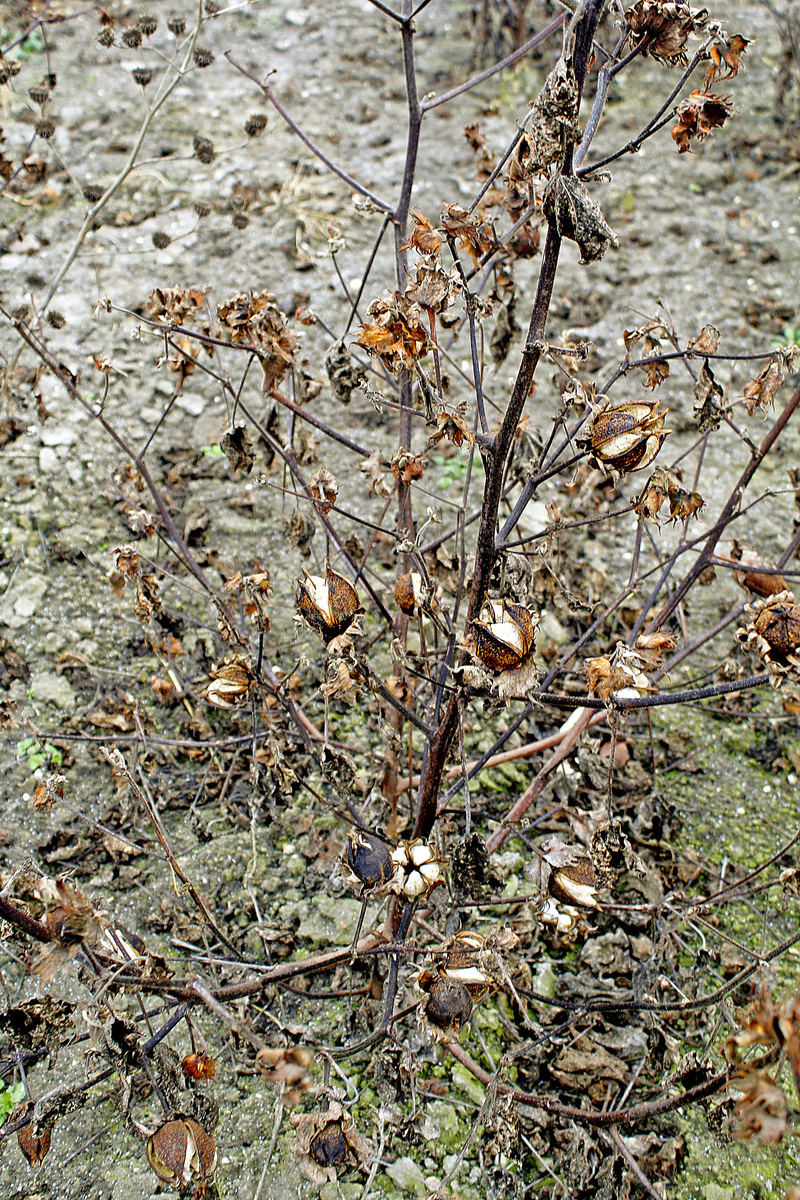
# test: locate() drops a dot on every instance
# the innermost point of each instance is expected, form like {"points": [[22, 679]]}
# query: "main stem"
{"points": [[583, 27]]}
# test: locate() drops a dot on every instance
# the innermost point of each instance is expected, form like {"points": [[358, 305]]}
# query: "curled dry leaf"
{"points": [[760, 392], [372, 468], [395, 334], [472, 234], [761, 1106], [575, 214], [756, 573], [344, 374], [237, 447], [324, 487], [554, 117], [706, 341], [406, 467], [708, 407], [725, 54], [453, 427]]}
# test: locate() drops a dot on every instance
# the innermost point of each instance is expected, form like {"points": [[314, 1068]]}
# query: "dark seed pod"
{"points": [[56, 319], [148, 24], [240, 220], [449, 1005], [201, 208], [368, 858], [92, 192], [329, 1146], [45, 129], [574, 883], [105, 38], [203, 149], [161, 240], [408, 592], [176, 24], [142, 76], [505, 635], [9, 67], [202, 57], [132, 38], [39, 93], [779, 626], [181, 1151], [254, 124], [628, 437]]}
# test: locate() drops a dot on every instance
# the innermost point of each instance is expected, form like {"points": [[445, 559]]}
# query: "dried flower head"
{"points": [[55, 318], [141, 76], [93, 192], [161, 240], [698, 115], [662, 28], [39, 93], [132, 37], [240, 220], [33, 1139], [395, 333], [9, 67], [199, 1066], [148, 24], [202, 208], [176, 24], [105, 37], [202, 57], [45, 129]]}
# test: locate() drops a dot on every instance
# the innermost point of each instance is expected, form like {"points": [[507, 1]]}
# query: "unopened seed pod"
{"points": [[368, 858], [575, 883], [329, 1146], [449, 1005], [181, 1152]]}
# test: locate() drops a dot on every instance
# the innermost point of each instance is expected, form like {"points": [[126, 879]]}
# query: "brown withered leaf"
{"points": [[372, 468], [760, 392], [344, 684], [656, 373], [424, 238], [147, 599], [185, 354], [698, 115], [683, 505], [761, 1109], [49, 790], [288, 1068], [432, 288], [706, 341], [344, 374], [237, 447], [586, 1066], [324, 487], [708, 410], [256, 320], [553, 119]]}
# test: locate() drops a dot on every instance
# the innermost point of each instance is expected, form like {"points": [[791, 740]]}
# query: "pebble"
{"points": [[49, 688], [22, 599]]}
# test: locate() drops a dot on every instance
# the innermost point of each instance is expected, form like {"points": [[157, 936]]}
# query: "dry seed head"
{"points": [[45, 129], [39, 93], [202, 57], [105, 38], [203, 149], [254, 124], [92, 192], [132, 38], [240, 221], [201, 208], [176, 24], [148, 24], [161, 240], [212, 8], [367, 861], [56, 319], [142, 76], [8, 68]]}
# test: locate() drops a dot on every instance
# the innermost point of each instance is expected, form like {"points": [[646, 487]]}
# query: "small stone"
{"points": [[58, 435], [406, 1175], [22, 600], [49, 688]]}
